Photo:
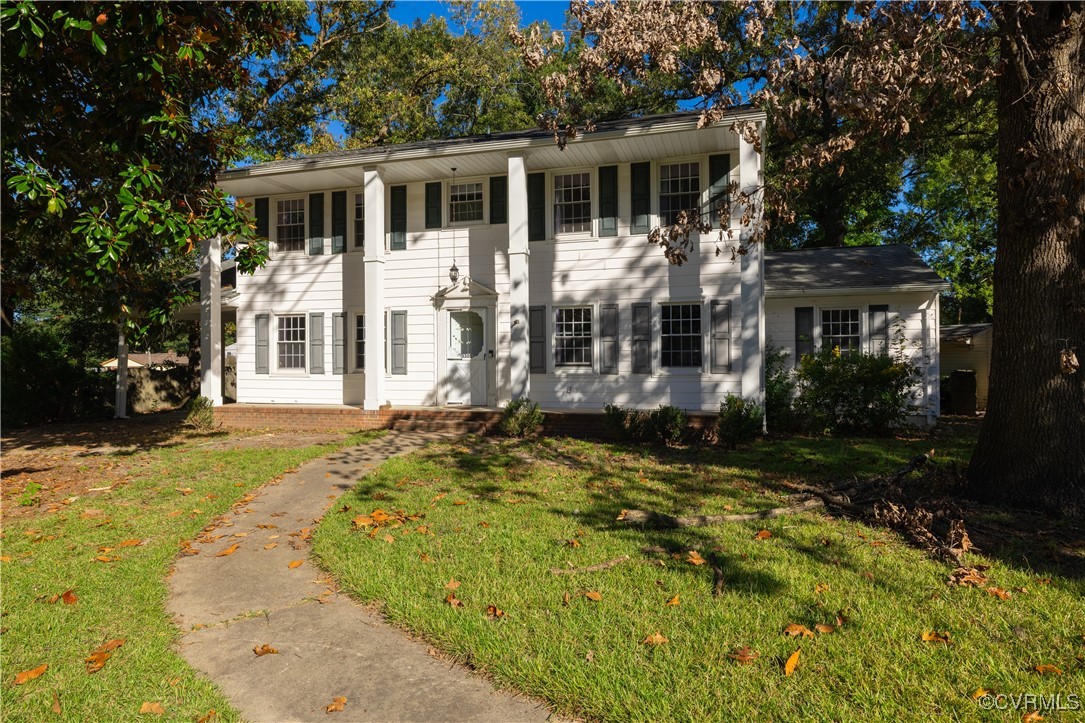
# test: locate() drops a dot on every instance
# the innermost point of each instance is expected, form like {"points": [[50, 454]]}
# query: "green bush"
{"points": [[740, 421], [667, 425], [616, 420], [520, 418], [855, 392], [780, 392], [201, 414]]}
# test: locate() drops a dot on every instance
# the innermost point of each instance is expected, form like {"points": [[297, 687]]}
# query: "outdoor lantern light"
{"points": [[454, 272]]}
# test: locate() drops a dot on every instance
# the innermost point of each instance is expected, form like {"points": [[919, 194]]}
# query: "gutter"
{"points": [[853, 291]]}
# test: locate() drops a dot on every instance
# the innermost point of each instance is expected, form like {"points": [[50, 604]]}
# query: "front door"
{"points": [[467, 357]]}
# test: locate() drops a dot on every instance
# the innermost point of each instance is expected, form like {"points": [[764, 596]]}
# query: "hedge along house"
{"points": [[481, 270], [870, 298]]}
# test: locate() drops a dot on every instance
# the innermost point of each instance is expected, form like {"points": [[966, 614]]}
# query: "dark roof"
{"points": [[849, 267], [362, 153], [962, 332]]}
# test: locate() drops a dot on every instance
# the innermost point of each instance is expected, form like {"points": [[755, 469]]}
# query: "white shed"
{"points": [[967, 347]]}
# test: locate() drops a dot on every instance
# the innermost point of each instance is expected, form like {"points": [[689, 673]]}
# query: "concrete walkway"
{"points": [[328, 645]]}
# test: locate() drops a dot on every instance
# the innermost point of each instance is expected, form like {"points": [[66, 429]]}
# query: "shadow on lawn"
{"points": [[120, 437]]}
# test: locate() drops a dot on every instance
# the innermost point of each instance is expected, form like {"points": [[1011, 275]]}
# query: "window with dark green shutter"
{"points": [[642, 338], [804, 332], [536, 328], [499, 199], [608, 201], [433, 205], [399, 342], [398, 240], [721, 336], [339, 222], [263, 323], [316, 343], [608, 338], [316, 224], [536, 206], [879, 328], [263, 218], [719, 180], [640, 196]]}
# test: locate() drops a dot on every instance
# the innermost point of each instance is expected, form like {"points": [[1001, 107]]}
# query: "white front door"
{"points": [[467, 357]]}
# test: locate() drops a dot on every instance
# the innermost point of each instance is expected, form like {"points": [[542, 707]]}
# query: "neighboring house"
{"points": [[154, 360], [967, 347], [870, 298], [480, 270]]}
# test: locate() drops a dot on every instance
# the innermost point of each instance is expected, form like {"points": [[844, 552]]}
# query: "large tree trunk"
{"points": [[1031, 448]]}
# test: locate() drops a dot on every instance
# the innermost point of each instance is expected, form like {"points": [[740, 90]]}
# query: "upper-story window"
{"points": [[359, 220], [840, 329], [679, 190], [680, 335], [572, 203], [290, 225], [465, 202]]}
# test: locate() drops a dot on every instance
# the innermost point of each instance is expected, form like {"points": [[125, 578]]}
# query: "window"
{"points": [[680, 337], [290, 225], [359, 342], [572, 337], [572, 203], [291, 346], [465, 202], [679, 190], [359, 220], [840, 328]]}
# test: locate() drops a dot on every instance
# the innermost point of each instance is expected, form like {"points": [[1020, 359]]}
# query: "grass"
{"points": [[125, 598], [497, 516]]}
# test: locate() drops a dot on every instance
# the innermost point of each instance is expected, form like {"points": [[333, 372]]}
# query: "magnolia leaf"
{"points": [[792, 663], [295, 564], [795, 630], [265, 649], [655, 638], [594, 596], [744, 655], [227, 552], [336, 705], [1045, 669], [673, 601], [930, 636], [453, 600], [154, 708], [28, 675]]}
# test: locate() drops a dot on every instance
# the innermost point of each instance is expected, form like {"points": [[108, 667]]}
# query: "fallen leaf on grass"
{"points": [[106, 558], [424, 557], [452, 584], [5, 558], [28, 675], [566, 598], [821, 587], [980, 692], [185, 491], [792, 663], [968, 576], [453, 600], [673, 601], [459, 502], [824, 628], [336, 705], [573, 543], [763, 535], [155, 708], [655, 638], [877, 543], [96, 661], [795, 630], [494, 612], [1045, 669], [131, 543], [694, 558], [999, 593], [295, 564], [594, 596], [265, 649], [744, 655], [271, 545], [228, 551], [930, 636], [1031, 717], [361, 521], [389, 538], [56, 704], [210, 716]]}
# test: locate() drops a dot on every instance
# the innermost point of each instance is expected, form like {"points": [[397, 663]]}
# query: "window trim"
{"points": [[273, 364], [657, 175], [273, 225], [352, 234], [862, 331], [657, 337], [593, 199], [354, 315], [446, 203], [591, 366]]}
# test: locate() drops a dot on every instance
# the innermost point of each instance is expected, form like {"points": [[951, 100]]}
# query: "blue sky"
{"points": [[407, 11]]}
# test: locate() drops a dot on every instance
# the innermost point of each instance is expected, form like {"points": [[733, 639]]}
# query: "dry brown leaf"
{"points": [[153, 708], [336, 705], [968, 576], [824, 628], [673, 601], [109, 645], [295, 564], [210, 716], [1031, 717], [763, 535], [453, 600], [424, 557], [452, 584], [186, 491], [980, 692], [621, 515], [999, 593], [821, 587], [594, 596], [228, 551], [271, 545], [566, 598], [655, 638], [495, 612], [5, 558], [131, 543], [694, 558], [795, 630], [28, 675], [744, 655], [105, 558], [930, 636], [1045, 669], [96, 661], [361, 521], [792, 663], [389, 538], [484, 524], [573, 543], [267, 527], [56, 704], [265, 649], [877, 543], [459, 502]]}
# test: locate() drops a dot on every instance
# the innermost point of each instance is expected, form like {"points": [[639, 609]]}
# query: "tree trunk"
{"points": [[1031, 448]]}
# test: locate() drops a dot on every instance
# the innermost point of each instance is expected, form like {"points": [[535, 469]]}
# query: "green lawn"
{"points": [[175, 490], [496, 516]]}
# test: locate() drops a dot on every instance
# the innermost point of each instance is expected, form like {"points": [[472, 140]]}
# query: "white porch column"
{"points": [[520, 342], [374, 288], [211, 319], [753, 281]]}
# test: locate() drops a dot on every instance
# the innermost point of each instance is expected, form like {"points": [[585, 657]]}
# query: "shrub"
{"points": [[201, 414], [780, 391], [740, 421], [667, 424], [856, 392], [616, 420], [520, 418]]}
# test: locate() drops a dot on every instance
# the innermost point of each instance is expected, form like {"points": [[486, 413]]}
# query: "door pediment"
{"points": [[465, 289]]}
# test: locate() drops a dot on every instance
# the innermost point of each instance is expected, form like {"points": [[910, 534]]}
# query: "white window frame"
{"points": [[446, 202], [274, 225], [352, 233], [657, 177], [862, 333], [552, 315], [593, 202], [657, 336], [354, 316], [303, 370]]}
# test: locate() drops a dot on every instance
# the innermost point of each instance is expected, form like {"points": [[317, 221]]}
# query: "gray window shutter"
{"points": [[642, 338], [399, 218], [721, 336], [536, 327], [316, 343], [640, 196], [339, 342], [608, 201], [263, 220], [879, 328], [804, 332], [339, 222], [399, 342], [316, 224], [719, 179], [433, 205], [263, 321], [499, 199], [608, 335], [536, 206]]}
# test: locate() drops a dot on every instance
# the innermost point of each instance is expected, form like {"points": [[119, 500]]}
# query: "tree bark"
{"points": [[1031, 448]]}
